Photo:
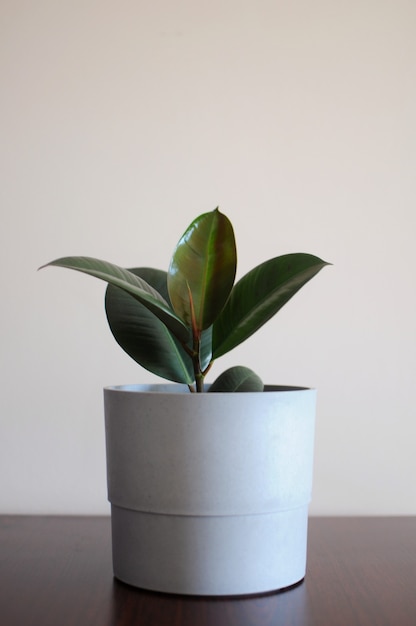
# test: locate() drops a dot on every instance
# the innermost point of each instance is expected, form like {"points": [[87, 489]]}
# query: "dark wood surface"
{"points": [[56, 571]]}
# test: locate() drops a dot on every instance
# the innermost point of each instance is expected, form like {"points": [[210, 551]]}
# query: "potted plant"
{"points": [[209, 486]]}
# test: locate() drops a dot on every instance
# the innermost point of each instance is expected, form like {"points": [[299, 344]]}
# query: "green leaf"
{"points": [[137, 287], [237, 379], [142, 335], [205, 351], [203, 268], [259, 295]]}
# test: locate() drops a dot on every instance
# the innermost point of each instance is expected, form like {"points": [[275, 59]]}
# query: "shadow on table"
{"points": [[131, 606]]}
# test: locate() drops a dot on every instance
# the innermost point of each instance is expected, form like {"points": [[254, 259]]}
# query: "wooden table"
{"points": [[56, 571]]}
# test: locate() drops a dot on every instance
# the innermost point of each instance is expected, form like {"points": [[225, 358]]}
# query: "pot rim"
{"points": [[178, 389]]}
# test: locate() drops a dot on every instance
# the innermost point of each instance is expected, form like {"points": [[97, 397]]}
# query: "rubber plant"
{"points": [[177, 323]]}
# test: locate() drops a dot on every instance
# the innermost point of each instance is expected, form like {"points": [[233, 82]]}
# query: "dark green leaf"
{"points": [[142, 335], [259, 295], [203, 265], [205, 352], [137, 287], [237, 379]]}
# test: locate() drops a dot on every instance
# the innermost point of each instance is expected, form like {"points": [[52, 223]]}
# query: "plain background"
{"points": [[122, 121]]}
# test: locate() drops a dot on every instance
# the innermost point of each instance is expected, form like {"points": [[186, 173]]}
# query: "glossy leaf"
{"points": [[205, 351], [137, 287], [237, 379], [142, 335], [259, 295], [203, 268]]}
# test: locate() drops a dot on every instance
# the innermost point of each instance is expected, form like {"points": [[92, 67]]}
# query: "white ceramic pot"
{"points": [[209, 492]]}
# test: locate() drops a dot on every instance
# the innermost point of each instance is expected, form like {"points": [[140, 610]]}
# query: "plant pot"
{"points": [[209, 492]]}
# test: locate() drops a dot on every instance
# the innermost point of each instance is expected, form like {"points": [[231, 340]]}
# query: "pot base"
{"points": [[210, 555]]}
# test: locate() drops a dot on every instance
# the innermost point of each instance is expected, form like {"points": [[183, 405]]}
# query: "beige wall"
{"points": [[121, 121]]}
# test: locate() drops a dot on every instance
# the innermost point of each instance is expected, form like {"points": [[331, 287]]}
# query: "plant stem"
{"points": [[196, 347], [199, 375], [200, 384]]}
